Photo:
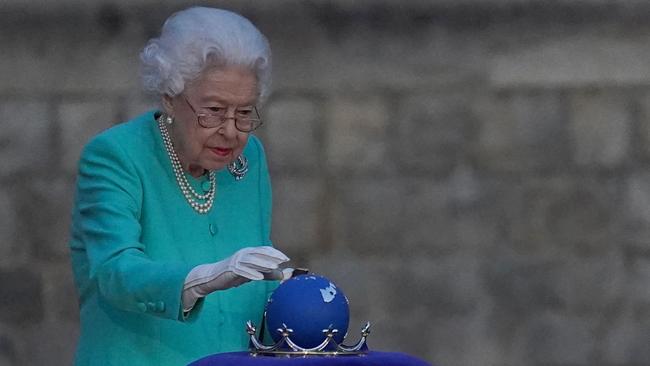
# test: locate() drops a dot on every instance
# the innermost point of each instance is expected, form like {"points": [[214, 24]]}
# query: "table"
{"points": [[372, 358]]}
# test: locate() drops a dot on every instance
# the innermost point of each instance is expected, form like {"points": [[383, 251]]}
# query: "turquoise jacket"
{"points": [[134, 239]]}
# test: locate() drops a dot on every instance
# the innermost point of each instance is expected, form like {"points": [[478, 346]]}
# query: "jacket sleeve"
{"points": [[108, 200]]}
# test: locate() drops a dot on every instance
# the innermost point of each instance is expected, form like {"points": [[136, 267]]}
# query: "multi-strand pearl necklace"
{"points": [[201, 203]]}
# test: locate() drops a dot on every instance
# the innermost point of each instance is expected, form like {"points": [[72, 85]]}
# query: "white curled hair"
{"points": [[196, 38]]}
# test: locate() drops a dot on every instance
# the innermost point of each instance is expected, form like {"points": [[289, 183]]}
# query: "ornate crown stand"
{"points": [[286, 347]]}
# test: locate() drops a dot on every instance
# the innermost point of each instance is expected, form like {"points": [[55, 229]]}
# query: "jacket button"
{"points": [[160, 307], [205, 186], [142, 307], [213, 229]]}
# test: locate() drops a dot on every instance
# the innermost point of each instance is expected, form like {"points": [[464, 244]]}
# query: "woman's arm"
{"points": [[108, 200]]}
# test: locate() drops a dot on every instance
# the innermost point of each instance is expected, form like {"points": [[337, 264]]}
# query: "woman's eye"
{"points": [[217, 109], [246, 112]]}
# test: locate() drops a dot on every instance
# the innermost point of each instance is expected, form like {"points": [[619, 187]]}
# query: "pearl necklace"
{"points": [[193, 198]]}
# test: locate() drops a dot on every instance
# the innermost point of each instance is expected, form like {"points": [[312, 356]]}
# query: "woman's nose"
{"points": [[228, 128]]}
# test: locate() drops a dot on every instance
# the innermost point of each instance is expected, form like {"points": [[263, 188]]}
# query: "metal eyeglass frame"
{"points": [[256, 122]]}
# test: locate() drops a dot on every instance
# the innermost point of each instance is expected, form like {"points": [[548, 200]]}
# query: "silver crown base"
{"points": [[287, 348]]}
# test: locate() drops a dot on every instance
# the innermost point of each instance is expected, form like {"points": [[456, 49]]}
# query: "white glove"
{"points": [[254, 263]]}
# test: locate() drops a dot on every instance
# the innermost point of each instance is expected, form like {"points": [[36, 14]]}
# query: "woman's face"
{"points": [[231, 87]]}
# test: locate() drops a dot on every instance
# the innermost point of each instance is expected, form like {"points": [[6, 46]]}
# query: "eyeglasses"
{"points": [[246, 120]]}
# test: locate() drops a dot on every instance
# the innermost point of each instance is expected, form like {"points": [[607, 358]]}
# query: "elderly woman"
{"points": [[170, 236]]}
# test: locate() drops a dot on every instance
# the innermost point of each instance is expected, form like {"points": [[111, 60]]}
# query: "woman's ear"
{"points": [[167, 104]]}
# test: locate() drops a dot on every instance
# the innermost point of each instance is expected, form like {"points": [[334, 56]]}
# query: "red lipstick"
{"points": [[221, 151]]}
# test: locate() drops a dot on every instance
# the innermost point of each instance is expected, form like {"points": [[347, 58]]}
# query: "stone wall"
{"points": [[474, 174]]}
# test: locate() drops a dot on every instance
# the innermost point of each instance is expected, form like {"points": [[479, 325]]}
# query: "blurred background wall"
{"points": [[474, 174]]}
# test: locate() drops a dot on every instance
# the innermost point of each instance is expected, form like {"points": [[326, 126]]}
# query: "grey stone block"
{"points": [[452, 284], [486, 223], [79, 122], [644, 125], [558, 339], [8, 352], [87, 60], [356, 132], [637, 199], [21, 296], [341, 54], [59, 294], [409, 333], [25, 142], [362, 222], [465, 186], [567, 215], [636, 287], [48, 199], [521, 132], [55, 341], [579, 60], [424, 221], [624, 339], [292, 126], [639, 353], [619, 338], [424, 216], [13, 249], [138, 104], [592, 285], [433, 132], [460, 341], [601, 129], [518, 288], [635, 226], [297, 213]]}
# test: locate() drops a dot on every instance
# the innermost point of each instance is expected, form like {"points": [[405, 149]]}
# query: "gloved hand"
{"points": [[254, 263], [279, 274]]}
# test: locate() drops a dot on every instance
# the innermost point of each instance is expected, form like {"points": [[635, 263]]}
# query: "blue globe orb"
{"points": [[307, 304]]}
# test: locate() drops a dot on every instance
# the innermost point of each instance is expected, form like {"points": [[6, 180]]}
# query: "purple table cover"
{"points": [[371, 359]]}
